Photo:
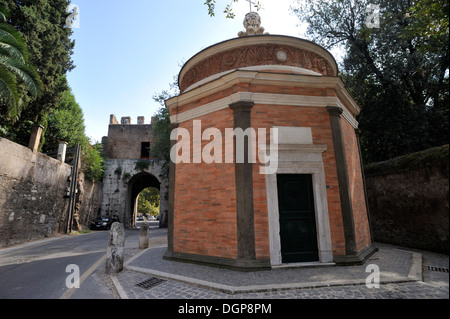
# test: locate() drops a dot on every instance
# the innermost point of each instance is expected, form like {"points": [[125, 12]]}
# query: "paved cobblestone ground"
{"points": [[176, 290], [434, 284]]}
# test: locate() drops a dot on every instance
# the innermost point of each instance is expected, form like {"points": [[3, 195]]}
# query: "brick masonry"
{"points": [[205, 204], [217, 204]]}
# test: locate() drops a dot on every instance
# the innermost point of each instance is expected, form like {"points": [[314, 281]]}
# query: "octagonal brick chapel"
{"points": [[265, 166]]}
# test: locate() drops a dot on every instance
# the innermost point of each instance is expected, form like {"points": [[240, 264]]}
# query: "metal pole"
{"points": [[75, 183], [69, 206]]}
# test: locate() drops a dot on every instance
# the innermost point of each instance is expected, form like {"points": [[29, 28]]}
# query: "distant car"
{"points": [[151, 218], [102, 222], [140, 217]]}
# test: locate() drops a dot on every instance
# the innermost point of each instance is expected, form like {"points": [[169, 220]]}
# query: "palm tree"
{"points": [[14, 69]]}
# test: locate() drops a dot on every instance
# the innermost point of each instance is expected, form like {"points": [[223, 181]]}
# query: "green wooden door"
{"points": [[297, 218]]}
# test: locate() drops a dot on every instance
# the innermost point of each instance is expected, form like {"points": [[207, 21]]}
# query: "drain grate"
{"points": [[431, 268], [150, 283]]}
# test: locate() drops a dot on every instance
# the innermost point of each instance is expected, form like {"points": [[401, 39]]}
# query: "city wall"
{"points": [[33, 202], [409, 200]]}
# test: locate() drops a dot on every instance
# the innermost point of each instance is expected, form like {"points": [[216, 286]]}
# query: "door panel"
{"points": [[297, 218]]}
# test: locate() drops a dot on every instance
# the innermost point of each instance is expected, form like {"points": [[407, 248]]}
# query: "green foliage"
{"points": [[401, 87], [432, 156], [148, 202], [93, 164], [42, 24], [229, 14], [3, 14], [14, 70], [66, 123], [141, 165], [118, 171], [429, 23], [161, 128]]}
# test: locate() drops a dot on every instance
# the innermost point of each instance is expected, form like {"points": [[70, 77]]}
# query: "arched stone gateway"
{"points": [[130, 169], [123, 182]]}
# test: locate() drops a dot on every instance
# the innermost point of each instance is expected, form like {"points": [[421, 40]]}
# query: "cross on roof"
{"points": [[250, 3]]}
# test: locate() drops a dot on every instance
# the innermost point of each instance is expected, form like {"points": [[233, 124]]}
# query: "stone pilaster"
{"points": [[343, 180], [244, 186], [170, 215], [352, 256]]}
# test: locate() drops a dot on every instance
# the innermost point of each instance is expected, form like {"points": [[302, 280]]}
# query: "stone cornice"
{"points": [[264, 98], [343, 98], [260, 68]]}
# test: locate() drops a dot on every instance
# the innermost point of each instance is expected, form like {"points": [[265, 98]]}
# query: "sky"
{"points": [[126, 51]]}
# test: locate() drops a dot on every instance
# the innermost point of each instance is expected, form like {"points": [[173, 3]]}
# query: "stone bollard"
{"points": [[115, 250], [143, 236], [62, 149], [35, 138]]}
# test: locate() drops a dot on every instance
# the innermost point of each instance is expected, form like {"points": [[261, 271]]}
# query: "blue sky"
{"points": [[125, 51]]}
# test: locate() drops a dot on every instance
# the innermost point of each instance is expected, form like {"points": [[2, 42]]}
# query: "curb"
{"points": [[414, 274], [415, 270], [232, 290], [119, 288]]}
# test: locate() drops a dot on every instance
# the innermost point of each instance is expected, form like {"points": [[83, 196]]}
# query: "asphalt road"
{"points": [[38, 270]]}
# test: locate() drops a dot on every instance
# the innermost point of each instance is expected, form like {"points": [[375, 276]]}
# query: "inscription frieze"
{"points": [[255, 55]]}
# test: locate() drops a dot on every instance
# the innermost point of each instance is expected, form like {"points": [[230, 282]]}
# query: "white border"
{"points": [[300, 159], [264, 98]]}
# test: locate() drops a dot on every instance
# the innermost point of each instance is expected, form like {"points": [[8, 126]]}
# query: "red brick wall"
{"points": [[205, 200], [205, 219], [205, 100]]}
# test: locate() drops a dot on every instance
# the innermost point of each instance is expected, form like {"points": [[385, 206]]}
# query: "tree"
{"points": [[66, 123], [148, 201], [14, 65], [211, 4], [161, 128], [93, 162], [401, 88], [47, 37]]}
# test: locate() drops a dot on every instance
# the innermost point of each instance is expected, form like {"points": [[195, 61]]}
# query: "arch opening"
{"points": [[147, 204], [136, 186]]}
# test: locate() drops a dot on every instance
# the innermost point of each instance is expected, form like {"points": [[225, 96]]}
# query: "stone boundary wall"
{"points": [[409, 200], [32, 201]]}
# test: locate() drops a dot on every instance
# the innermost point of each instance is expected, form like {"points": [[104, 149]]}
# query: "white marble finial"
{"points": [[252, 25]]}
